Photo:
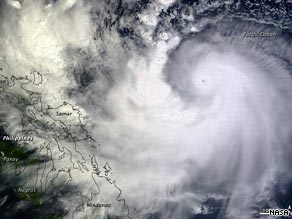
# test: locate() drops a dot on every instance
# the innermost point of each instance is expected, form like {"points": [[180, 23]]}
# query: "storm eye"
{"points": [[203, 83]]}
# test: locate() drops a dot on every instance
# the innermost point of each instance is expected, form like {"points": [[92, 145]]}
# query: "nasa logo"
{"points": [[277, 212]]}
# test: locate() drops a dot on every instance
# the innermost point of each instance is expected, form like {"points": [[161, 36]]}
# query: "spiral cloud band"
{"points": [[183, 116], [217, 115]]}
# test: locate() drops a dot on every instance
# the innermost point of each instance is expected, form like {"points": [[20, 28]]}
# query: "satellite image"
{"points": [[145, 109]]}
